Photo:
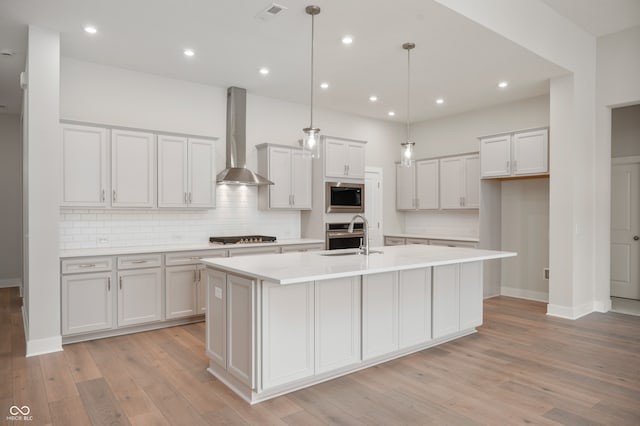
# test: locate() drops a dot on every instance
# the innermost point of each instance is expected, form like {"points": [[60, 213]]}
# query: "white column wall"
{"points": [[41, 188]]}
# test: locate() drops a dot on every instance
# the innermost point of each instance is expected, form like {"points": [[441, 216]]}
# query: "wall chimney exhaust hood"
{"points": [[236, 172]]}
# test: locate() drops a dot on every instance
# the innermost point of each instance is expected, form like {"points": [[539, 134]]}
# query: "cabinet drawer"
{"points": [[302, 247], [191, 257], [453, 243], [87, 264], [253, 250], [139, 261], [394, 241], [417, 241]]}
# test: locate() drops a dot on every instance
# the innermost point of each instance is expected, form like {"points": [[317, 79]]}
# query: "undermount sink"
{"points": [[349, 253]]}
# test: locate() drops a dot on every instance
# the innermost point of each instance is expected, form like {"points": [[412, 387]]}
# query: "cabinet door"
{"points": [[240, 323], [470, 295], [414, 307], [301, 164], [139, 296], [280, 175], [180, 291], [287, 333], [446, 300], [201, 176], [337, 323], [355, 160], [217, 316], [451, 182], [87, 303], [84, 166], [495, 156], [172, 171], [530, 152], [471, 197], [379, 314], [394, 241], [335, 158], [132, 169], [427, 184], [405, 187]]}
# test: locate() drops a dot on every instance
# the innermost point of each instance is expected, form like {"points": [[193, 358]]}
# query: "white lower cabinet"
{"points": [[217, 323], [240, 326], [457, 298], [87, 302], [139, 296], [181, 291], [287, 333], [379, 314], [414, 313], [337, 323]]}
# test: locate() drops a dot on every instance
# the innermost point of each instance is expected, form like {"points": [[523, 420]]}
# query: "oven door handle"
{"points": [[344, 234]]}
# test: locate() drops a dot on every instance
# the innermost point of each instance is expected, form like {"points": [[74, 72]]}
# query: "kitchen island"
{"points": [[280, 323]]}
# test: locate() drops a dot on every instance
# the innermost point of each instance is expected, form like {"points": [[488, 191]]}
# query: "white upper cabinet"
{"points": [[460, 182], [185, 172], [344, 158], [84, 166], [515, 154], [289, 168], [417, 186], [133, 171]]}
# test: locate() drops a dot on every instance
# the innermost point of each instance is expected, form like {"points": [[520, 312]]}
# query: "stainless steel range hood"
{"points": [[236, 172]]}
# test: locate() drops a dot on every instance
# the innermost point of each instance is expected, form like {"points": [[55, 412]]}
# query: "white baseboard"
{"points": [[602, 305], [569, 312], [521, 293], [44, 346], [10, 282]]}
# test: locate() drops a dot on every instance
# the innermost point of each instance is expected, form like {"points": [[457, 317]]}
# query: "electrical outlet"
{"points": [[545, 273]]}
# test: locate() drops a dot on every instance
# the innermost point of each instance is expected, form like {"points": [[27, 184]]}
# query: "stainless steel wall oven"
{"points": [[337, 236]]}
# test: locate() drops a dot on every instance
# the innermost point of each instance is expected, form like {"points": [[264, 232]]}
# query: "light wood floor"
{"points": [[521, 367]]}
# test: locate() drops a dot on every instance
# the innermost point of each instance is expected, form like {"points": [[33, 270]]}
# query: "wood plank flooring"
{"points": [[521, 367]]}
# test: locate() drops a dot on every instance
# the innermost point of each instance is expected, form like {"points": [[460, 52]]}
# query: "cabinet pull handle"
{"points": [[108, 283], [87, 265], [293, 199], [114, 195], [190, 199], [103, 195], [199, 275], [185, 198], [195, 258], [120, 283], [195, 275], [508, 166], [138, 261], [515, 165]]}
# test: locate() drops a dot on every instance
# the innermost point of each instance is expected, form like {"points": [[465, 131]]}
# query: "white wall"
{"points": [[107, 95], [41, 188], [625, 131], [618, 68], [11, 196]]}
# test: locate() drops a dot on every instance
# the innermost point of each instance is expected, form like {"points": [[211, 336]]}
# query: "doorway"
{"points": [[373, 204]]}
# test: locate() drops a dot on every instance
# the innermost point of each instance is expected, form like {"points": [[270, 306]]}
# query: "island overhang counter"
{"points": [[278, 323]]}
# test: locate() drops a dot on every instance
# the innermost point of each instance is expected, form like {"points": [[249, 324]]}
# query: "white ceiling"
{"points": [[454, 58]]}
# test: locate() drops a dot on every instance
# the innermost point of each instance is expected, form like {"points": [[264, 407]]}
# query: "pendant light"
{"points": [[311, 139], [406, 147]]}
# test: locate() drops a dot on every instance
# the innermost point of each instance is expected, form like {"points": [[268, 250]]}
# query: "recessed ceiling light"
{"points": [[189, 52], [324, 85], [347, 39], [90, 30], [373, 98], [391, 113], [503, 84], [439, 101], [264, 70]]}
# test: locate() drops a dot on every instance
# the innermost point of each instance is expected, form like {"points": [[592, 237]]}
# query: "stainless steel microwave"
{"points": [[342, 197]]}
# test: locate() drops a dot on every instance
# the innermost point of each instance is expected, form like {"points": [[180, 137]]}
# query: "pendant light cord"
{"points": [[408, 91], [312, 38]]}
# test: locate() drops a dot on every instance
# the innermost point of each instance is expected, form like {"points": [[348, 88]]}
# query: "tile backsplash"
{"points": [[236, 213]]}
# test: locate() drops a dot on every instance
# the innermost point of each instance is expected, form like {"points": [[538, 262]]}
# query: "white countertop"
{"points": [[435, 237], [166, 248], [293, 268]]}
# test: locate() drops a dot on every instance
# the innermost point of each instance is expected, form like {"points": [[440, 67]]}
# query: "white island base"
{"points": [[276, 324]]}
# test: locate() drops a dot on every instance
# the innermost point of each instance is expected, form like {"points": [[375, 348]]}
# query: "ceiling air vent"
{"points": [[270, 11]]}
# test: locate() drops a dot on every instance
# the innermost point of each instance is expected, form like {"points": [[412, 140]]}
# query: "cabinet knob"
{"points": [[636, 238]]}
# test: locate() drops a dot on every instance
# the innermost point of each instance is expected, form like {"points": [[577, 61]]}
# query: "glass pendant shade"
{"points": [[311, 141], [406, 153]]}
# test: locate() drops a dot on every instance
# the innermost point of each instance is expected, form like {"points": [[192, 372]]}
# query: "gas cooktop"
{"points": [[242, 239]]}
